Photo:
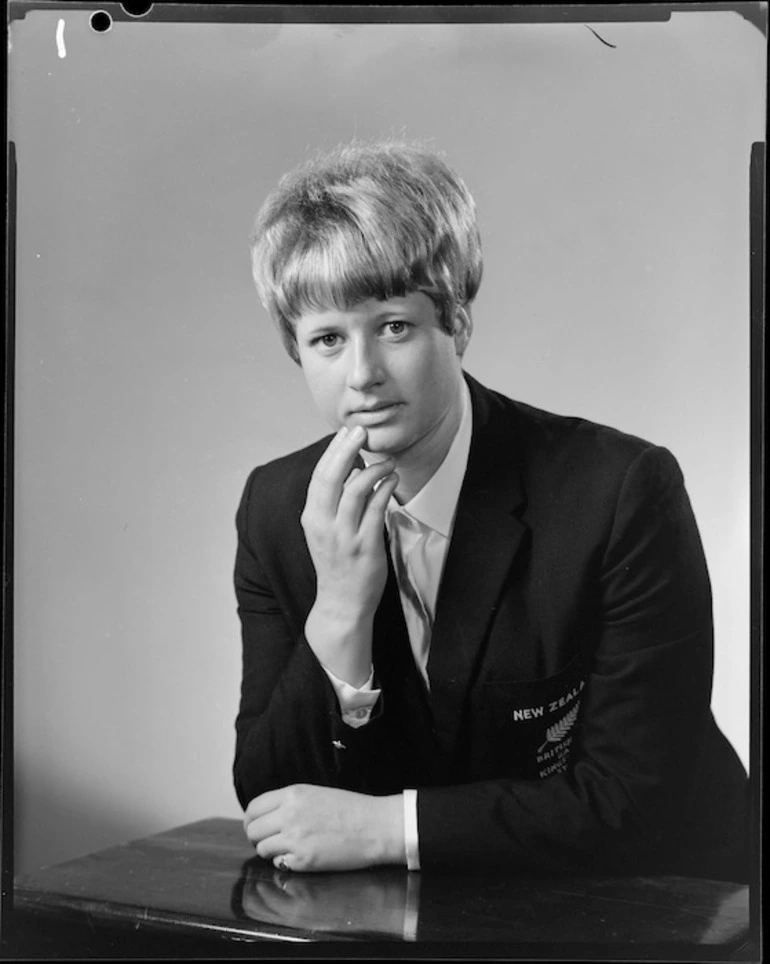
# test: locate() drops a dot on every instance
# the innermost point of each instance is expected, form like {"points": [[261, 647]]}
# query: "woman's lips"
{"points": [[375, 414]]}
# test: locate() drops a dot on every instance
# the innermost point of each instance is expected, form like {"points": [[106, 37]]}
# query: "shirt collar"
{"points": [[435, 504]]}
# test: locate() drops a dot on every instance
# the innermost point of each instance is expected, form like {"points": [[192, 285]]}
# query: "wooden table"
{"points": [[199, 891]]}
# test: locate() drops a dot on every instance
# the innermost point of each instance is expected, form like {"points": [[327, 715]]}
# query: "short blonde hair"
{"points": [[366, 220]]}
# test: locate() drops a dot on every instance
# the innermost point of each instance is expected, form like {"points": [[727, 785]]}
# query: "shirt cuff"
{"points": [[411, 840], [412, 910], [356, 703]]}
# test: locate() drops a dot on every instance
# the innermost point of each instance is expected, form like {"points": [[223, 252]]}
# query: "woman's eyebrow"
{"points": [[389, 312], [321, 328]]}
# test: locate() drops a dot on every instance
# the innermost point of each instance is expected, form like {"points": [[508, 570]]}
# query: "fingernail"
{"points": [[357, 433]]}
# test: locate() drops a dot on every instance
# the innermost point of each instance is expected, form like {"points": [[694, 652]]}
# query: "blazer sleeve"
{"points": [[289, 727], [637, 787]]}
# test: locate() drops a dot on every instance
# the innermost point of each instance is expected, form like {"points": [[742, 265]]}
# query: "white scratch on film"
{"points": [[60, 39]]}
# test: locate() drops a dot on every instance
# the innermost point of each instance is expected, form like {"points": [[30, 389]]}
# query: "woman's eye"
{"points": [[329, 340], [396, 327]]}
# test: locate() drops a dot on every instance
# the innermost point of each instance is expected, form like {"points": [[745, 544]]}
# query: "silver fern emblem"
{"points": [[557, 732]]}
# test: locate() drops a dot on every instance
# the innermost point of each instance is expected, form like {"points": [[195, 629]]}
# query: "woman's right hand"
{"points": [[343, 520]]}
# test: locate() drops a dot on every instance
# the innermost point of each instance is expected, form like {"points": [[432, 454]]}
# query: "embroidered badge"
{"points": [[544, 721], [557, 732]]}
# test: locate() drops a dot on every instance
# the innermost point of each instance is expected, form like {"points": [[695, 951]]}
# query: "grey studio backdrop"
{"points": [[612, 186]]}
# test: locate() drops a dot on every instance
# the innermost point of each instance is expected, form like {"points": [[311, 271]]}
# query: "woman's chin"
{"points": [[383, 441]]}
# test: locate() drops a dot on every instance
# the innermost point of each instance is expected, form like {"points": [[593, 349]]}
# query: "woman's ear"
{"points": [[463, 329]]}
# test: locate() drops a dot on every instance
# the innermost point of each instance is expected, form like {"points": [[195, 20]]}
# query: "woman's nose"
{"points": [[364, 368]]}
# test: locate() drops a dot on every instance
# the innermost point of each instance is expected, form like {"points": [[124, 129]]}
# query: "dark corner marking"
{"points": [[605, 42]]}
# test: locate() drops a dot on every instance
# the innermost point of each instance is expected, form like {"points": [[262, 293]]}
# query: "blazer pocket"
{"points": [[534, 723]]}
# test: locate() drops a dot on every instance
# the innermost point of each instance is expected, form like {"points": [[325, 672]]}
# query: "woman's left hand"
{"points": [[305, 828]]}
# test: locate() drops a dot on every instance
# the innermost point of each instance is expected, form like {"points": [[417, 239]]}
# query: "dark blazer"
{"points": [[568, 726]]}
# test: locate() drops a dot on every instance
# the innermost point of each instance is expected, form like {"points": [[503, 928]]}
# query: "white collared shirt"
{"points": [[424, 528]]}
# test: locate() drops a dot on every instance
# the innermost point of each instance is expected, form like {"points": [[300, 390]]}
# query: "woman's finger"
{"points": [[332, 470], [271, 847], [264, 803], [263, 827], [374, 513], [357, 493]]}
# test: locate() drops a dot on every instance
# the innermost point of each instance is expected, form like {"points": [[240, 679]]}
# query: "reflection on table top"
{"points": [[203, 878]]}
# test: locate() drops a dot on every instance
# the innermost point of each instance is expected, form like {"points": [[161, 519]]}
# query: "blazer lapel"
{"points": [[485, 539]]}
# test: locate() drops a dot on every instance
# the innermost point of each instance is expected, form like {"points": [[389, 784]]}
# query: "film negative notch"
{"points": [[101, 21]]}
